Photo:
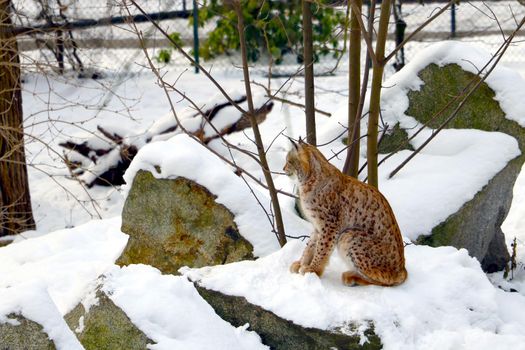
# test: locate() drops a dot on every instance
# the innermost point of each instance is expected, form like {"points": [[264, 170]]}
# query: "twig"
{"points": [[283, 100], [258, 139]]}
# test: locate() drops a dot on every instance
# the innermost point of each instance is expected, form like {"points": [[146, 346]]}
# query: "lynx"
{"points": [[348, 214]]}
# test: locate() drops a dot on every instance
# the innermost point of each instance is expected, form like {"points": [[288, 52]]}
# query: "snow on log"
{"points": [[103, 157]]}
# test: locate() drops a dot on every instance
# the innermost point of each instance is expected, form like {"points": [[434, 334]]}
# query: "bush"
{"points": [[272, 27]]}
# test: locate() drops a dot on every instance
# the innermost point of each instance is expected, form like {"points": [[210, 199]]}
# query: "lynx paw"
{"points": [[350, 278], [306, 269], [294, 268]]}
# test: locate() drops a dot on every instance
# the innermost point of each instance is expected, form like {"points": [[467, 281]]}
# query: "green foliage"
{"points": [[272, 27], [164, 55]]}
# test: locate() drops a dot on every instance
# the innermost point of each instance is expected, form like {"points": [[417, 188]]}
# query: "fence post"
{"points": [[453, 21], [60, 50], [196, 35]]}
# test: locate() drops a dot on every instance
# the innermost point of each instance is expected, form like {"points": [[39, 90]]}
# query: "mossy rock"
{"points": [[481, 111], [177, 222], [476, 226], [26, 335], [395, 139], [105, 326], [5, 243], [279, 333]]}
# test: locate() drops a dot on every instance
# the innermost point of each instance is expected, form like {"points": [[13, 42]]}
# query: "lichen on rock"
{"points": [[105, 326], [22, 333], [177, 222]]}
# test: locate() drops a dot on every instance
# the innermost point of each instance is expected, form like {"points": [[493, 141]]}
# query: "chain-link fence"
{"points": [[95, 35]]}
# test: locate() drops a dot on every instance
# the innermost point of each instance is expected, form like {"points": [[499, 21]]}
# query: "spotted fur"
{"points": [[348, 214]]}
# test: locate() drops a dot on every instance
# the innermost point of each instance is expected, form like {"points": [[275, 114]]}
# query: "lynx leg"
{"points": [[366, 255], [323, 249], [308, 254], [350, 278]]}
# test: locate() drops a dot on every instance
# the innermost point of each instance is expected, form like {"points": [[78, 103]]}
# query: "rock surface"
{"points": [[26, 335], [5, 243], [476, 226], [279, 333], [105, 326], [176, 222]]}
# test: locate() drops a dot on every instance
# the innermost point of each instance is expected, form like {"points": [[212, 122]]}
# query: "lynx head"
{"points": [[303, 160]]}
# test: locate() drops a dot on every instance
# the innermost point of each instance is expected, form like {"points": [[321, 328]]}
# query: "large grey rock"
{"points": [[476, 226], [4, 243], [279, 333], [176, 222], [26, 335], [105, 326]]}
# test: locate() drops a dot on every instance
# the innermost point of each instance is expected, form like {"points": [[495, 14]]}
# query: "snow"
{"points": [[172, 313], [94, 170], [445, 173], [32, 300], [192, 120], [447, 301], [44, 278]]}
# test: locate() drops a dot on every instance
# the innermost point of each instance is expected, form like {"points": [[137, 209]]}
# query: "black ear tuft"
{"points": [[301, 141], [293, 142]]}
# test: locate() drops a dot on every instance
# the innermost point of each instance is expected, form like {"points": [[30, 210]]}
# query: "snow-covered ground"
{"points": [[447, 303]]}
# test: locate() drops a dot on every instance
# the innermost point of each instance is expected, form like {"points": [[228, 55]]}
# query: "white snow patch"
{"points": [[81, 325], [94, 170], [445, 175], [447, 301], [32, 300], [44, 278], [172, 313]]}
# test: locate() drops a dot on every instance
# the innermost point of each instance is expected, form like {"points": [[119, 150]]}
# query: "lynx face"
{"points": [[303, 160]]}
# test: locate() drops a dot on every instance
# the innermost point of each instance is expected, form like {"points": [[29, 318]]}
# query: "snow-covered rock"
{"points": [[430, 85], [447, 302], [44, 279], [182, 156], [20, 333]]}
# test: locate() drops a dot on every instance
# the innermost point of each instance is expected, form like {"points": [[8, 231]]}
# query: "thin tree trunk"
{"points": [[309, 100], [281, 237], [375, 94], [15, 202], [351, 166]]}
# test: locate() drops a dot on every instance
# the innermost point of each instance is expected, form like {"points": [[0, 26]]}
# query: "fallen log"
{"points": [[103, 157]]}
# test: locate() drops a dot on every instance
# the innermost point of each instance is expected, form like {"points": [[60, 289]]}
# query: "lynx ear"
{"points": [[301, 141], [293, 143]]}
